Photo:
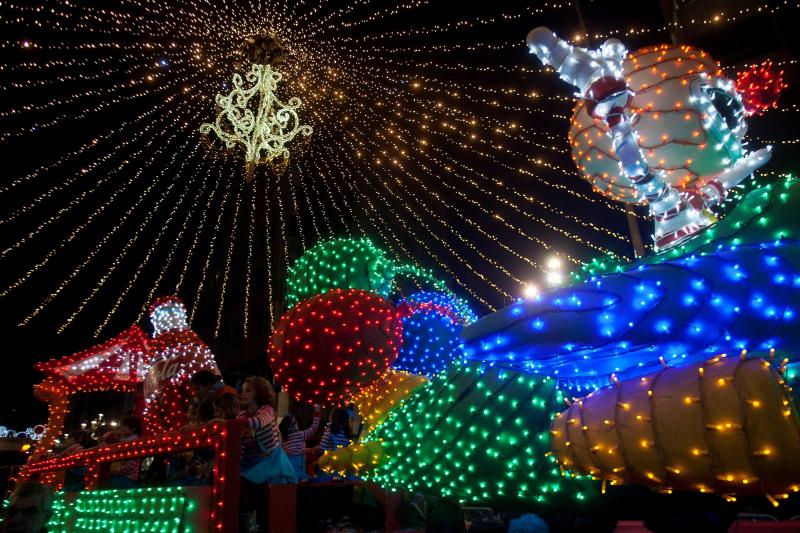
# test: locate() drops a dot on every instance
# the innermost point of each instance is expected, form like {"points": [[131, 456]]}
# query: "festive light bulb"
{"points": [[554, 263], [531, 291], [554, 279]]}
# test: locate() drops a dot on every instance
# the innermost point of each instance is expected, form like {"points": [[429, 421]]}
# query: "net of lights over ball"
{"points": [[734, 286], [431, 332], [480, 434], [348, 263], [328, 346], [726, 425], [178, 354], [761, 87]]}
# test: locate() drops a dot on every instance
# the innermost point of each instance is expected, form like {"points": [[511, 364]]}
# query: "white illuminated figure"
{"points": [[598, 74], [178, 352]]}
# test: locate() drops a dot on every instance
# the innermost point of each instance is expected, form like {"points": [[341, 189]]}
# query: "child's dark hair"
{"points": [[83, 437], [227, 404], [205, 378], [340, 422], [285, 424], [132, 421]]}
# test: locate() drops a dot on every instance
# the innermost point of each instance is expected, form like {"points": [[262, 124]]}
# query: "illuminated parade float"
{"points": [[673, 371]]}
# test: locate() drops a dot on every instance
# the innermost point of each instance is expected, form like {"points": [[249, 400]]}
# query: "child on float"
{"points": [[263, 458], [197, 466], [337, 431], [294, 441], [77, 441], [125, 474], [226, 405], [336, 435]]}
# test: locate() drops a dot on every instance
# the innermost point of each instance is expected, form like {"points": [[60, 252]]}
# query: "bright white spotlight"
{"points": [[554, 278], [531, 291], [554, 263]]}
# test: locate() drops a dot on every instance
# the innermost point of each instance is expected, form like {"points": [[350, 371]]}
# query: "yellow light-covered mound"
{"points": [[355, 458], [727, 425], [375, 401]]}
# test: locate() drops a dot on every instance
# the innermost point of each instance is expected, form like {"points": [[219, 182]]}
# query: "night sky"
{"points": [[424, 115]]}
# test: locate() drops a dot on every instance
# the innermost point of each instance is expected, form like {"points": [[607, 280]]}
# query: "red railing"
{"points": [[223, 437]]}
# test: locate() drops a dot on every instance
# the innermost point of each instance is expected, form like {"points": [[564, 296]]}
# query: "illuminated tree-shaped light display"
{"points": [[431, 332], [178, 353], [253, 119], [481, 434], [328, 346]]}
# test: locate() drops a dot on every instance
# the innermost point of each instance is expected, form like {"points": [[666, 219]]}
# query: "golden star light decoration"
{"points": [[254, 119]]}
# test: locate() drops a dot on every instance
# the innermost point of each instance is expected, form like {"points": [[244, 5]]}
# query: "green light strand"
{"points": [[157, 509], [480, 434]]}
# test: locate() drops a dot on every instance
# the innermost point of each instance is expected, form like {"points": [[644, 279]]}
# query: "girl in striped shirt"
{"points": [[336, 435], [126, 473], [258, 416], [294, 441], [259, 437], [337, 432]]}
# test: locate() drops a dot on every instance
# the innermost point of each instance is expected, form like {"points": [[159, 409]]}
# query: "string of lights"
{"points": [[435, 139], [74, 233]]}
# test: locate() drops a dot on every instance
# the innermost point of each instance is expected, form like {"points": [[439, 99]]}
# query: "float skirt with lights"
{"points": [[726, 425]]}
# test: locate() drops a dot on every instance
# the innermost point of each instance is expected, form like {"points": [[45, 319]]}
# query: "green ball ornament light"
{"points": [[349, 263]]}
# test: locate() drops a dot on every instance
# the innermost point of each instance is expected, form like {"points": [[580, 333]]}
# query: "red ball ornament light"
{"points": [[760, 87], [327, 346]]}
